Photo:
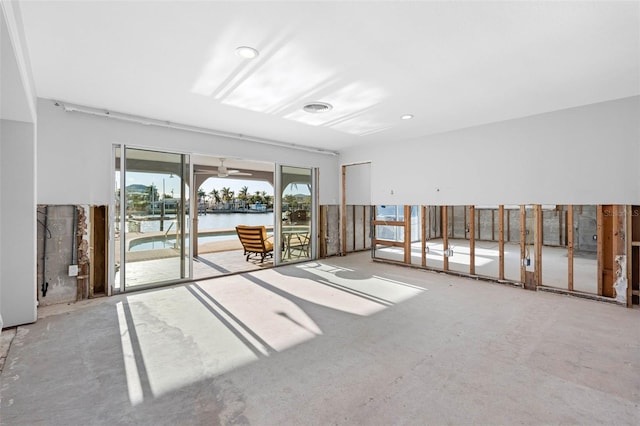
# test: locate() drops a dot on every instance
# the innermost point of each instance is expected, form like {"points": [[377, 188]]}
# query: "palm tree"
{"points": [[242, 195], [267, 199], [201, 197], [227, 194], [215, 194]]}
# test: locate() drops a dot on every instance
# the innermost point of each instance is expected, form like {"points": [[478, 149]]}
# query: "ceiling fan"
{"points": [[222, 171]]}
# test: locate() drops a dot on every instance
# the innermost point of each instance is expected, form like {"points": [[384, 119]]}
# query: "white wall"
{"points": [[17, 174], [17, 222], [358, 184], [584, 155], [75, 151]]}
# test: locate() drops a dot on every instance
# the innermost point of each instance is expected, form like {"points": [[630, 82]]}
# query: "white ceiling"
{"points": [[450, 64]]}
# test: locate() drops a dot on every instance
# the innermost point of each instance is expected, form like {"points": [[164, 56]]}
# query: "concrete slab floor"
{"points": [[341, 341]]}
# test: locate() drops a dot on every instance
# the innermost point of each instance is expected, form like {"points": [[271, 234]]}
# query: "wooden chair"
{"points": [[255, 241]]}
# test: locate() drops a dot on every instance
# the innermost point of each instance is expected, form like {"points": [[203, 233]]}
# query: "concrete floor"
{"points": [[342, 341]]}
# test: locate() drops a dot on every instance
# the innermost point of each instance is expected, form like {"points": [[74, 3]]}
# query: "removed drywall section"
{"points": [[57, 249]]}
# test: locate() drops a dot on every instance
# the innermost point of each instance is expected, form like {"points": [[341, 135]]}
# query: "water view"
{"points": [[214, 221]]}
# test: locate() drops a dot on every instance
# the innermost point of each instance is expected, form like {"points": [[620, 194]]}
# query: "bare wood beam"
{"points": [[619, 245], [364, 227], [323, 232], [445, 237], [389, 243], [538, 244], [423, 235], [501, 241], [628, 237], [570, 237], [523, 236], [407, 235], [353, 219], [600, 239], [388, 222], [472, 240], [343, 213]]}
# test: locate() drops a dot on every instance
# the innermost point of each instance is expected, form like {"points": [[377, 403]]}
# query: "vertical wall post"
{"points": [[423, 235], [537, 242], [628, 238], [343, 213], [570, 247], [600, 239], [472, 240], [445, 238], [501, 241], [407, 235], [523, 237]]}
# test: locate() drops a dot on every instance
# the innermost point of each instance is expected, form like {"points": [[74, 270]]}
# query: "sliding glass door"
{"points": [[152, 216], [296, 213]]}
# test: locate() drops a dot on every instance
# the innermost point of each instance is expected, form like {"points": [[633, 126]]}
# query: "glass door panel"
{"points": [[297, 213], [155, 210]]}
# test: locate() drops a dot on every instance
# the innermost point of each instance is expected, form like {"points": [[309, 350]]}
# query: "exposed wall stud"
{"points": [[523, 236], [472, 240], [570, 237], [445, 237], [343, 213], [423, 234], [407, 235], [600, 240], [501, 241], [538, 243]]}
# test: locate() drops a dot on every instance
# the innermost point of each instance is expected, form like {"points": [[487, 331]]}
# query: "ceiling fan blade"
{"points": [[238, 173]]}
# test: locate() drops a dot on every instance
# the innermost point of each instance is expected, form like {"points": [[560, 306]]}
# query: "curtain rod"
{"points": [[159, 123]]}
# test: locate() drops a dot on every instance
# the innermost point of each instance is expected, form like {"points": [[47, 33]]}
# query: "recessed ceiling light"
{"points": [[407, 117], [316, 107], [247, 52]]}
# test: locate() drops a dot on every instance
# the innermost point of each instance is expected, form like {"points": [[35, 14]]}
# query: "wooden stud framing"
{"points": [[364, 227], [501, 241], [92, 244], [343, 213], [628, 239], [523, 236], [537, 242], [570, 237], [600, 239], [322, 237], [423, 235], [445, 237], [407, 235], [619, 244], [472, 240], [353, 219]]}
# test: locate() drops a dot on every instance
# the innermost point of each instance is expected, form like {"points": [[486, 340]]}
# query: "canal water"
{"points": [[215, 221]]}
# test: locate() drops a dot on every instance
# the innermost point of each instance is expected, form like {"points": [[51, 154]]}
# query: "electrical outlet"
{"points": [[73, 270]]}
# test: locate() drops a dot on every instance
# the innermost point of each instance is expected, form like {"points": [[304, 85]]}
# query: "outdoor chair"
{"points": [[255, 241]]}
